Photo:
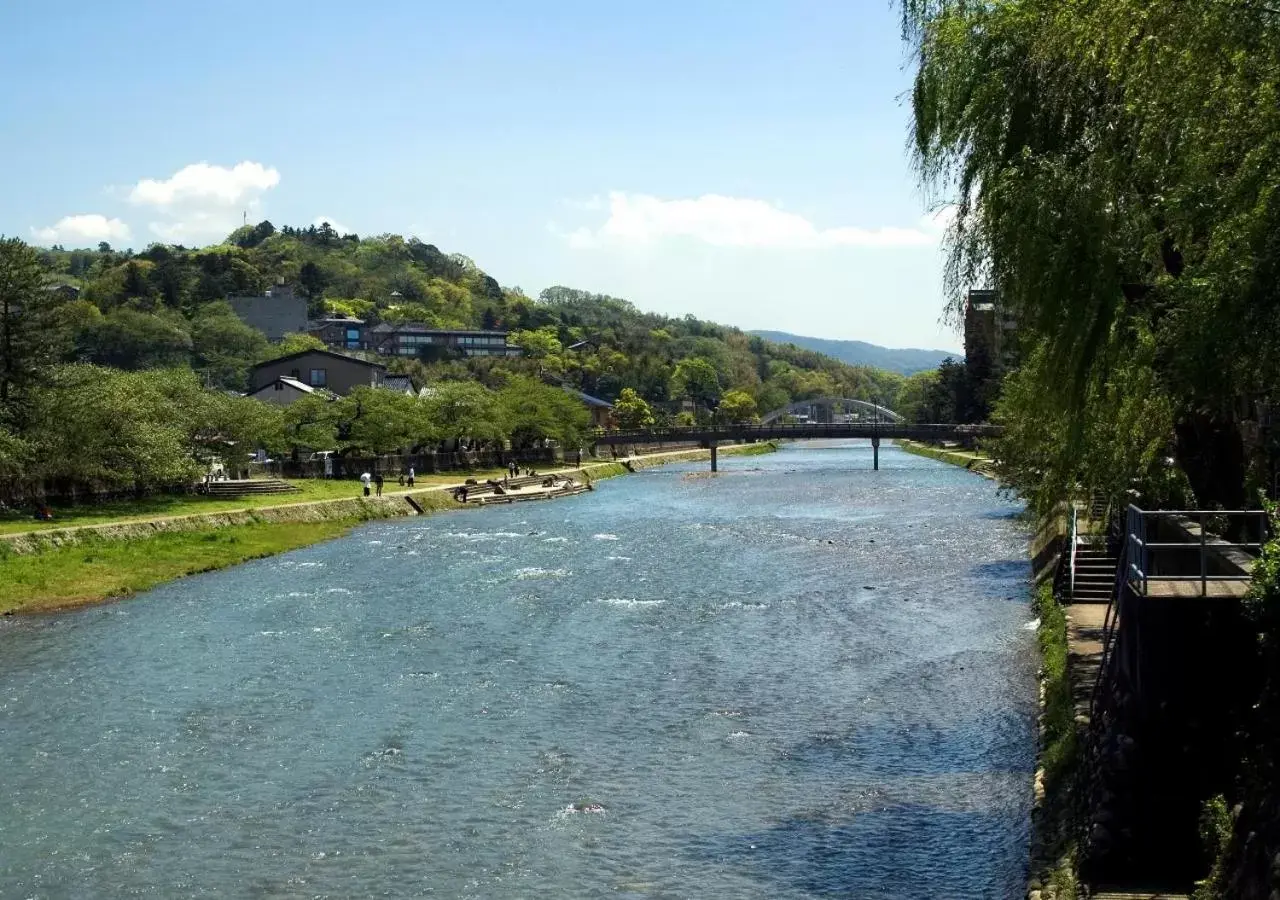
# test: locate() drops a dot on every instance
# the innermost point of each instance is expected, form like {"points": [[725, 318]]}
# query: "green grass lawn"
{"points": [[312, 489], [98, 569]]}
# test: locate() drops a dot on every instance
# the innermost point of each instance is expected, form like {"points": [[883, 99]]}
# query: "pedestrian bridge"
{"points": [[710, 435], [760, 432]]}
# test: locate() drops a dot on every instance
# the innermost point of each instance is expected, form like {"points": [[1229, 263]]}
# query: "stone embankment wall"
{"points": [[356, 509]]}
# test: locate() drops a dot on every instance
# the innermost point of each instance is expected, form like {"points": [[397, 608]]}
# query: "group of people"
{"points": [[514, 470], [377, 481]]}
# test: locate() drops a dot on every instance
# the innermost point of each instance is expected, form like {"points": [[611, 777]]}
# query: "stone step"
{"points": [[249, 487]]}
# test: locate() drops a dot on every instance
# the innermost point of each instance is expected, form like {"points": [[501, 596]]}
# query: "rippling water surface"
{"points": [[800, 679]]}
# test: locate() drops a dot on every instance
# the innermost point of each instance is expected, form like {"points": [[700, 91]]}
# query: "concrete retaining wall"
{"points": [[356, 509]]}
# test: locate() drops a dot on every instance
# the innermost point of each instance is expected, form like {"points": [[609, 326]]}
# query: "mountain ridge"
{"points": [[905, 360]]}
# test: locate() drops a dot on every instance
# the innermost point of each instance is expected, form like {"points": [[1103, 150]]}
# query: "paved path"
{"points": [[1084, 650], [587, 466]]}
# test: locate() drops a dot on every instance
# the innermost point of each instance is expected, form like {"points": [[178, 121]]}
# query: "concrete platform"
{"points": [[1213, 588]]}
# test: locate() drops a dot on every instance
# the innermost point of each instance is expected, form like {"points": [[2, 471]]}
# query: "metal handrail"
{"points": [[1140, 550], [1075, 513]]}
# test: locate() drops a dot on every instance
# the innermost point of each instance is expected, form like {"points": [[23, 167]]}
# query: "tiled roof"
{"points": [[400, 383]]}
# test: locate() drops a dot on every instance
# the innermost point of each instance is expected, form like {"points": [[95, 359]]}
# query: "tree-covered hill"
{"points": [[163, 307], [120, 371], [906, 360]]}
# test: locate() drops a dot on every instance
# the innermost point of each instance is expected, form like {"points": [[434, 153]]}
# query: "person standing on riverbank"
{"points": [[365, 478], [411, 476], [378, 480]]}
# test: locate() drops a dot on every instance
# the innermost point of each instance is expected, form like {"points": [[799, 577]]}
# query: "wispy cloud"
{"points": [[79, 230], [737, 222], [202, 201]]}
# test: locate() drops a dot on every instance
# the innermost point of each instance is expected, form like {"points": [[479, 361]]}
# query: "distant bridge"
{"points": [[710, 435], [833, 409]]}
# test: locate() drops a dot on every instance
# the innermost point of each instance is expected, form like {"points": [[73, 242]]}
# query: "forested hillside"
{"points": [[161, 307], [130, 381], [905, 360]]}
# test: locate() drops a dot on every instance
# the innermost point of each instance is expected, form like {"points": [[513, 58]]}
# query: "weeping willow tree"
{"points": [[1114, 167]]}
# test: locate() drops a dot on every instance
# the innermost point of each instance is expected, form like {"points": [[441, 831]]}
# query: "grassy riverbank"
{"points": [[973, 460], [100, 569], [89, 566], [1053, 850], [310, 490]]}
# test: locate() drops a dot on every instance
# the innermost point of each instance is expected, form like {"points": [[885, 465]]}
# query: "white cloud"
{"points": [[334, 224], [203, 201], [737, 222], [205, 184], [77, 230]]}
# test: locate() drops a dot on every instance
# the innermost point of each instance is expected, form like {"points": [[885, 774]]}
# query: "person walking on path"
{"points": [[365, 478], [411, 476], [377, 479]]}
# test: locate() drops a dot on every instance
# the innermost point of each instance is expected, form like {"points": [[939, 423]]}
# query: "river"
{"points": [[801, 678]]}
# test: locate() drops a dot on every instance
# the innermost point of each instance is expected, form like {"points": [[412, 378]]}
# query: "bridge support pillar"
{"points": [[713, 456], [875, 453]]}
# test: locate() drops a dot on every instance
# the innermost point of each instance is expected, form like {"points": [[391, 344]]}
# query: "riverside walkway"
{"points": [[393, 502]]}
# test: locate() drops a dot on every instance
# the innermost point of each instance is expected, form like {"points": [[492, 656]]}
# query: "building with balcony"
{"points": [[413, 339], [339, 333]]}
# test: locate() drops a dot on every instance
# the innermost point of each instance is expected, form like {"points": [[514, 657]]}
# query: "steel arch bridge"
{"points": [[865, 412]]}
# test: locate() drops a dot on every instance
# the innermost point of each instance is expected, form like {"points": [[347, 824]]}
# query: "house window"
{"points": [[353, 334], [279, 385], [319, 377], [295, 374]]}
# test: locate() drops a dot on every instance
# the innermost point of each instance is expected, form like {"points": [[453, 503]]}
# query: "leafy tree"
{"points": [[130, 339], [380, 421], [632, 411], [28, 340], [118, 430], [536, 412], [914, 402], [696, 379], [311, 423], [738, 406], [464, 410], [1115, 178], [537, 344], [225, 347], [312, 279]]}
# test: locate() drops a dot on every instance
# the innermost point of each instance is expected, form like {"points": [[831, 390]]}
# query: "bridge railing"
{"points": [[700, 432]]}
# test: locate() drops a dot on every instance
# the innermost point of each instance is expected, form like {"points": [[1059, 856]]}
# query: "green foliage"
{"points": [[1215, 836], [738, 406], [382, 421], [129, 338], [1115, 173], [311, 423], [225, 347], [696, 379], [465, 410], [292, 343], [1058, 752], [1125, 443], [28, 340], [632, 412], [536, 412]]}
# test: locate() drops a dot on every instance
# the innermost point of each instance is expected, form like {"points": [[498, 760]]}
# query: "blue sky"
{"points": [[743, 161]]}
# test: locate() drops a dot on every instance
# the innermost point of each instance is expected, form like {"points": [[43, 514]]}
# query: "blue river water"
{"points": [[801, 678]]}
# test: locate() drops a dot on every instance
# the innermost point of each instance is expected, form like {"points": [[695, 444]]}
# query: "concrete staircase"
{"points": [[249, 487], [1095, 579]]}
